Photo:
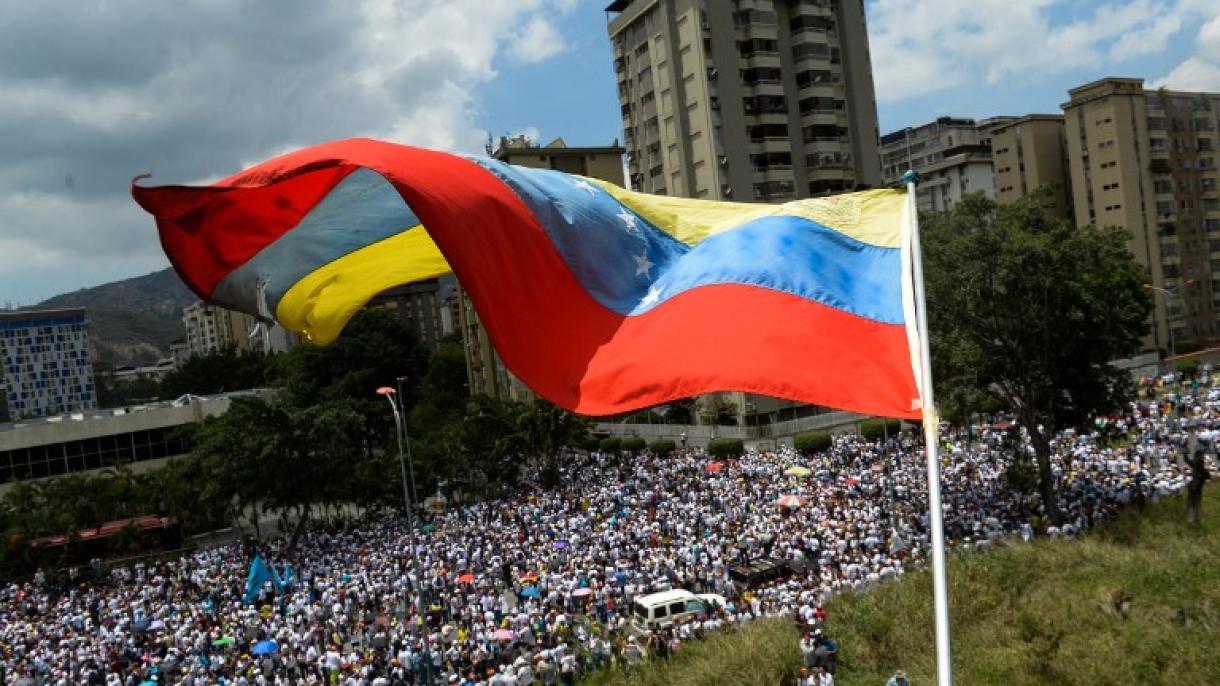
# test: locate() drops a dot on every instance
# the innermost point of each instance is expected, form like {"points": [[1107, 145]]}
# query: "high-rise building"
{"points": [[1145, 160], [211, 328], [45, 364], [420, 307], [759, 100], [1029, 153], [208, 328], [485, 371], [951, 154]]}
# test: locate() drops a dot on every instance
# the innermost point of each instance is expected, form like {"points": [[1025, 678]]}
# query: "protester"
{"points": [[539, 588]]}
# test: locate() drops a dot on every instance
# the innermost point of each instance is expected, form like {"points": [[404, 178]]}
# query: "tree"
{"points": [[877, 429], [224, 370], [662, 446], [725, 447], [718, 411], [1027, 309], [634, 444], [681, 411], [809, 442]]}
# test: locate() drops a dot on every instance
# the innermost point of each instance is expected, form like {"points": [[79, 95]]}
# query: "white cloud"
{"points": [[536, 41], [921, 48], [1201, 71], [190, 91]]}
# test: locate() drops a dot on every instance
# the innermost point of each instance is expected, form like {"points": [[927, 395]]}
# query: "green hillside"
{"points": [[1137, 602], [134, 320]]}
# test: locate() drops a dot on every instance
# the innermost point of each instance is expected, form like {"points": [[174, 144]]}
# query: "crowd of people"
{"points": [[540, 588]]}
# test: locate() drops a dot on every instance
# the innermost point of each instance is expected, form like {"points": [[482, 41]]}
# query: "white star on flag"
{"points": [[584, 185], [629, 220], [643, 266], [654, 294]]}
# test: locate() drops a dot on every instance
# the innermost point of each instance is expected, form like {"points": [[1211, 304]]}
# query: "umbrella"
{"points": [[530, 576], [559, 545], [149, 683], [531, 592], [466, 578], [798, 471], [503, 635], [265, 648], [715, 467], [790, 501], [223, 641], [157, 624], [582, 592]]}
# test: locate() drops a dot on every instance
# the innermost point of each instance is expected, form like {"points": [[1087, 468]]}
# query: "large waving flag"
{"points": [[600, 299]]}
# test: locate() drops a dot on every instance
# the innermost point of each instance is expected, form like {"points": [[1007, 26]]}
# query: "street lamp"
{"points": [[1170, 293], [389, 393]]}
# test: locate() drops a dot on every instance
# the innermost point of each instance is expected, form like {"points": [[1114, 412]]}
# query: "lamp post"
{"points": [[406, 437], [389, 393], [1170, 293]]}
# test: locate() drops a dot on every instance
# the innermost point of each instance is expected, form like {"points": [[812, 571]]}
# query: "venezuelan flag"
{"points": [[600, 299]]}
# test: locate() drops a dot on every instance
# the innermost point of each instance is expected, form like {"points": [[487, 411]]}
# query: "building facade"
{"points": [[211, 328], [1029, 153], [753, 100], [420, 306], [45, 364], [1145, 161], [953, 156]]}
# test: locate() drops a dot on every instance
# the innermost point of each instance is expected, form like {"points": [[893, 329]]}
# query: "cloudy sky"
{"points": [[94, 92]]}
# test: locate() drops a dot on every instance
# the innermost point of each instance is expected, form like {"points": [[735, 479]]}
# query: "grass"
{"points": [[1136, 602]]}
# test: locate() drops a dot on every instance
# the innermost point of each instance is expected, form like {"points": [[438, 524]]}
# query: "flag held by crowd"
{"points": [[260, 574], [600, 299]]}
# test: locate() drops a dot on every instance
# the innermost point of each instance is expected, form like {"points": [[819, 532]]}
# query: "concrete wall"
{"points": [[766, 436]]}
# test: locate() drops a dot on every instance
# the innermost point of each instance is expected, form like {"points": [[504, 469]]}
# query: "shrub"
{"points": [[611, 444], [810, 442], [633, 444], [590, 443], [725, 447], [1188, 368], [662, 446], [876, 429]]}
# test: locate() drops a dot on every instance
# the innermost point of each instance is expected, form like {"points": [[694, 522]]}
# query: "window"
{"points": [[823, 132], [747, 17], [1158, 144], [810, 77], [769, 160], [1162, 186], [755, 75], [765, 104], [802, 50], [810, 23], [760, 132], [755, 46], [774, 190], [830, 105]]}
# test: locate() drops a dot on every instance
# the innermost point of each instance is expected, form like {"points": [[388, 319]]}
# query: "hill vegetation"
{"points": [[132, 321], [1135, 602]]}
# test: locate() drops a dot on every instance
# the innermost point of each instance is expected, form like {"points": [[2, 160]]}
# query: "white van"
{"points": [[662, 609]]}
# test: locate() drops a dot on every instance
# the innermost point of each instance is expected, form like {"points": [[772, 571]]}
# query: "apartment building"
{"points": [[45, 364], [750, 100], [1145, 160], [952, 155], [1029, 153], [211, 328]]}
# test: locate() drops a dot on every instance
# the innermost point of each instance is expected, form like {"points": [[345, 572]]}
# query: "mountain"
{"points": [[132, 321]]}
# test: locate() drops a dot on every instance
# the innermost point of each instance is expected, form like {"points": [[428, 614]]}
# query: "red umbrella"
{"points": [[715, 467], [466, 578], [790, 501]]}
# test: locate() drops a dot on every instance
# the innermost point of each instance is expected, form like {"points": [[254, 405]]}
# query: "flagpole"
{"points": [[931, 429]]}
